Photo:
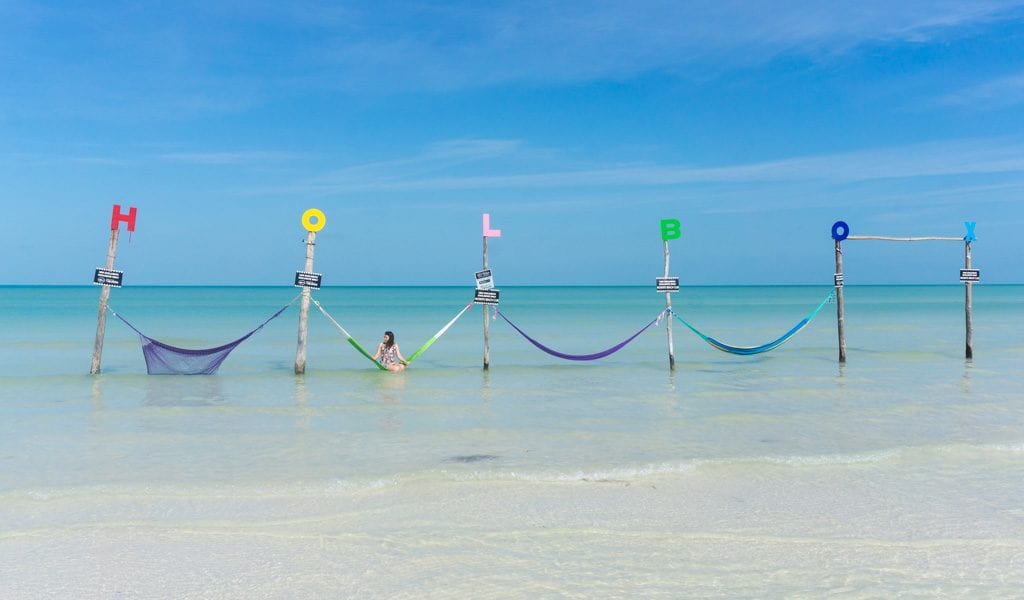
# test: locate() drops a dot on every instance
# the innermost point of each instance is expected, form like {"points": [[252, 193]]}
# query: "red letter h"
{"points": [[118, 216]]}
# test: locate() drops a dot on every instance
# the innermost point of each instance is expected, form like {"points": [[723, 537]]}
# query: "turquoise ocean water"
{"points": [[778, 475]]}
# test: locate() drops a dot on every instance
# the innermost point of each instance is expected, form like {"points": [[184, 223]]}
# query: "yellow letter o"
{"points": [[314, 219]]}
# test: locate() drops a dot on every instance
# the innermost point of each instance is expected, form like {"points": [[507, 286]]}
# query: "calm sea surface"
{"points": [[781, 474]]}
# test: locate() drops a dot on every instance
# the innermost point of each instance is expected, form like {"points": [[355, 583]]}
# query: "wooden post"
{"points": [[487, 320], [668, 321], [488, 232], [101, 321], [300, 353], [969, 346], [839, 301]]}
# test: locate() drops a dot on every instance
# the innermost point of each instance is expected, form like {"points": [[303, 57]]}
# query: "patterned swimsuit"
{"points": [[389, 356]]}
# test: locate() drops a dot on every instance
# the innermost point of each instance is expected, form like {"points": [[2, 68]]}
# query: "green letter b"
{"points": [[670, 229]]}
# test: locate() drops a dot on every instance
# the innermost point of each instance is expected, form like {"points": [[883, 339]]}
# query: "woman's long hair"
{"points": [[391, 339]]}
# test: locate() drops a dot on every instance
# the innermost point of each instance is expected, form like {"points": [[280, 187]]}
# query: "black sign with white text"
{"points": [[308, 280], [970, 275], [667, 284], [108, 277], [838, 280], [486, 296]]}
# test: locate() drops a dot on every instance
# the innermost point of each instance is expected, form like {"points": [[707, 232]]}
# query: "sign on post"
{"points": [[108, 277], [484, 280], [667, 284], [486, 296], [970, 275], [304, 279], [838, 280]]}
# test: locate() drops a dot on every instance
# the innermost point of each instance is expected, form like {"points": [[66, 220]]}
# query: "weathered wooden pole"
{"points": [[840, 231], [668, 321], [840, 317], [313, 220], [487, 318], [101, 320], [670, 230], [101, 278], [488, 233], [968, 300]]}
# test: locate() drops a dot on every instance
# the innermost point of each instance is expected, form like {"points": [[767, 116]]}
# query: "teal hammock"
{"points": [[749, 350]]}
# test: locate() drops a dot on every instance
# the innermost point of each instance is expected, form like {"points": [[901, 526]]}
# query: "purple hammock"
{"points": [[165, 359], [593, 356]]}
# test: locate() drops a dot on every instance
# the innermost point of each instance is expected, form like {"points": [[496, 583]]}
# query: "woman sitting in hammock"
{"points": [[389, 355]]}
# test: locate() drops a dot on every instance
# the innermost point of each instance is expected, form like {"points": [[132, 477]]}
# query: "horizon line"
{"points": [[525, 285]]}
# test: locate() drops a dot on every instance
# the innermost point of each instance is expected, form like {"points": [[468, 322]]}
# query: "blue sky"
{"points": [[578, 126]]}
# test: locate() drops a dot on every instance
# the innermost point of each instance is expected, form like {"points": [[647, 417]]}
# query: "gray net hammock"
{"points": [[165, 359]]}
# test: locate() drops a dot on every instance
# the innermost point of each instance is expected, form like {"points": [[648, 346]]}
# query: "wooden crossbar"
{"points": [[905, 239]]}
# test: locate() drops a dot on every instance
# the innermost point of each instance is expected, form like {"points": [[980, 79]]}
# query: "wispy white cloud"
{"points": [[995, 93], [241, 157], [138, 158], [441, 168], [38, 160], [436, 157], [464, 45], [226, 56]]}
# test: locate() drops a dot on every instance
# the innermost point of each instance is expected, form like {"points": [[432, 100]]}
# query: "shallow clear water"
{"points": [[774, 475]]}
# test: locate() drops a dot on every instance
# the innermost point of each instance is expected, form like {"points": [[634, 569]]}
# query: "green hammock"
{"points": [[431, 341], [348, 336], [749, 350], [414, 356]]}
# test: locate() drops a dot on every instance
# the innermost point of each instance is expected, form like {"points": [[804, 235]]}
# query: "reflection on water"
{"points": [[389, 384], [301, 393], [388, 391], [97, 393], [184, 391], [965, 384], [304, 413]]}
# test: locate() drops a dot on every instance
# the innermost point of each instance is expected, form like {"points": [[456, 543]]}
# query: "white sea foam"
{"points": [[831, 459]]}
